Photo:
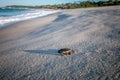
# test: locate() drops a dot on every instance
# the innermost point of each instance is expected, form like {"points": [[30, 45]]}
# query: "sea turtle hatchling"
{"points": [[66, 51]]}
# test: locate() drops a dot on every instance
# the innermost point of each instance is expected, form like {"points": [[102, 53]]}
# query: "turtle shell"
{"points": [[66, 51]]}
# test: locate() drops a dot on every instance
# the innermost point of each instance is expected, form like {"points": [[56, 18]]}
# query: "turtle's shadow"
{"points": [[49, 51]]}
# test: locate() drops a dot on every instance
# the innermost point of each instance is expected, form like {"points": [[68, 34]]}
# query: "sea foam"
{"points": [[33, 13]]}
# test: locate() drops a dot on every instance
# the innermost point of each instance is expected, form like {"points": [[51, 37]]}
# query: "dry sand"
{"points": [[28, 49]]}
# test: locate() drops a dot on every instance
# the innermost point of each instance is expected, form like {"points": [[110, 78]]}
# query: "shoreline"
{"points": [[28, 14], [27, 25], [31, 19], [90, 8]]}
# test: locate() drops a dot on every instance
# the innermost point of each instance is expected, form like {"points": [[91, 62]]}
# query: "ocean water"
{"points": [[10, 15]]}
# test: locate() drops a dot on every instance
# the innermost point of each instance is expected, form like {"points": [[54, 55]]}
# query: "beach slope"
{"points": [[28, 49]]}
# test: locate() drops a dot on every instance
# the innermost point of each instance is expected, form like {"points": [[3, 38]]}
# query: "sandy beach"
{"points": [[28, 49]]}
